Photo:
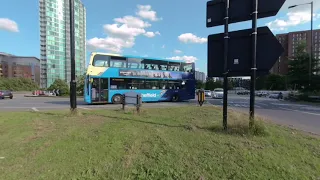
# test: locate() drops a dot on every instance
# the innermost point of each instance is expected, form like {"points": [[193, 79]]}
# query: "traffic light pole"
{"points": [[73, 84], [225, 80], [254, 60]]}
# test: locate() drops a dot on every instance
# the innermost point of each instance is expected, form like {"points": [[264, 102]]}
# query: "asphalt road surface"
{"points": [[21, 103], [299, 116]]}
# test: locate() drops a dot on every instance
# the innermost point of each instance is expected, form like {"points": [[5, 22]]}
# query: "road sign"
{"points": [[240, 10], [57, 92], [239, 59], [245, 52]]}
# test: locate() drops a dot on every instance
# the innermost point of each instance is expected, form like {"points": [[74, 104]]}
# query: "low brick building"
{"points": [[19, 66]]}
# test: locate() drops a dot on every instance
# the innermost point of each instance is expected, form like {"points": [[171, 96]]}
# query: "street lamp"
{"points": [[311, 46]]}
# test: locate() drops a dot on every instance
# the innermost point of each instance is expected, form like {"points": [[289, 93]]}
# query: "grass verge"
{"points": [[175, 143]]}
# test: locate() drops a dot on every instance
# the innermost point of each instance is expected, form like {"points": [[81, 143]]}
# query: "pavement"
{"points": [[305, 117]]}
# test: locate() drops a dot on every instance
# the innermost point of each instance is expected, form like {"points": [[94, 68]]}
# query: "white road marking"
{"points": [[300, 111], [34, 109], [281, 104], [84, 108], [47, 107]]}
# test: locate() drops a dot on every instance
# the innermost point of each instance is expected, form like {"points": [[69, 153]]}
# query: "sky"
{"points": [[161, 29]]}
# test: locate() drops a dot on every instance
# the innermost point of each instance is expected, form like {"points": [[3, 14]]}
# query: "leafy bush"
{"points": [[18, 84], [61, 85], [80, 85]]}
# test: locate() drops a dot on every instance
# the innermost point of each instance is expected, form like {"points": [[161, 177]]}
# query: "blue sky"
{"points": [[142, 28]]}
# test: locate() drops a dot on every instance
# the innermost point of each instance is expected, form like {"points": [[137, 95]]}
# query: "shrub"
{"points": [[61, 85], [18, 84]]}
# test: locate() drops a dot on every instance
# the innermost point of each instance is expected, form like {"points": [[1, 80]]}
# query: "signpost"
{"points": [[247, 52]]}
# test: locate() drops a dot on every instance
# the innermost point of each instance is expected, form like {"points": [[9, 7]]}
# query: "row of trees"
{"points": [[18, 84]]}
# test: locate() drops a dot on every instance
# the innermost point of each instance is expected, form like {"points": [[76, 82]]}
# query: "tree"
{"points": [[211, 84], [275, 82], [200, 84], [299, 69], [80, 84], [61, 85]]}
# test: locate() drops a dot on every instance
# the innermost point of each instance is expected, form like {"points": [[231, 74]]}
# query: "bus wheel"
{"points": [[117, 99], [175, 98]]}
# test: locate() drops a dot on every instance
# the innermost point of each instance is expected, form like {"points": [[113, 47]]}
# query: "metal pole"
{"points": [[73, 84], [225, 80], [254, 59], [311, 46]]}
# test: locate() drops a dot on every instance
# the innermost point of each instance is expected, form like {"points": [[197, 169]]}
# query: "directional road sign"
{"points": [[240, 10], [239, 59]]}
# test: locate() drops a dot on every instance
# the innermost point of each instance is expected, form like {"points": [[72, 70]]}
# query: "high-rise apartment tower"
{"points": [[55, 40]]}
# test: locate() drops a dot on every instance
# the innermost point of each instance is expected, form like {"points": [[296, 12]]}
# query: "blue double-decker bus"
{"points": [[109, 76]]}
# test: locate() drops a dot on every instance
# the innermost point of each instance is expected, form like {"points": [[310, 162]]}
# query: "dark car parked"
{"points": [[6, 94]]}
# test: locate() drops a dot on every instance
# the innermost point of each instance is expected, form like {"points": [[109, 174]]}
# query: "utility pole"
{"points": [[73, 83], [311, 46], [311, 40]]}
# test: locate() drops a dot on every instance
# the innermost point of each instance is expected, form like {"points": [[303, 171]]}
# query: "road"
{"points": [[21, 103], [304, 117], [299, 116]]}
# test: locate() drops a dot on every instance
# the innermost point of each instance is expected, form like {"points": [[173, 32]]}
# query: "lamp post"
{"points": [[311, 32]]}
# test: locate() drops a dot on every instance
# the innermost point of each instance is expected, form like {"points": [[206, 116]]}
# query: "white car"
{"points": [[217, 93], [207, 93]]}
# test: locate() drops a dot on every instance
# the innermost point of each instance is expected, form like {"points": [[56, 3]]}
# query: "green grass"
{"points": [[175, 143]]}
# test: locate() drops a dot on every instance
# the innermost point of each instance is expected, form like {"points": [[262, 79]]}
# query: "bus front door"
{"points": [[99, 90]]}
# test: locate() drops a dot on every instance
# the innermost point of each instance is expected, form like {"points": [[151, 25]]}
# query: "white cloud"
{"points": [[191, 38], [110, 44], [122, 33], [8, 25], [177, 51], [146, 13], [188, 59], [293, 19], [151, 34], [163, 46], [133, 22]]}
